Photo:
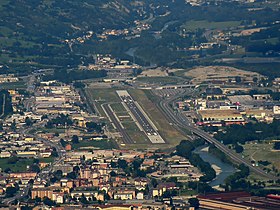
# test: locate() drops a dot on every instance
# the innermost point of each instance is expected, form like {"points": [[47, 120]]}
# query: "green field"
{"points": [[101, 144], [193, 25], [118, 107], [134, 132], [169, 133], [262, 151], [130, 126], [106, 95], [3, 3], [46, 160], [19, 166], [110, 96], [13, 85]]}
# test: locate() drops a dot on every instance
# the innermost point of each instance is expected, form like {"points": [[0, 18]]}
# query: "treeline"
{"points": [[215, 12], [185, 149], [249, 132], [270, 70], [70, 76], [218, 153], [275, 95], [200, 187], [262, 47], [238, 181], [261, 42], [60, 120], [276, 145], [6, 107], [94, 127]]}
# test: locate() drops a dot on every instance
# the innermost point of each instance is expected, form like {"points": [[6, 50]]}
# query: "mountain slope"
{"points": [[34, 29]]}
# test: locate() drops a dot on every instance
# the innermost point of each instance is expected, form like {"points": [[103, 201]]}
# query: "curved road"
{"points": [[44, 173], [181, 121]]}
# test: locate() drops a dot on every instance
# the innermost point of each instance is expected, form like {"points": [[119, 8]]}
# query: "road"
{"points": [[126, 137], [25, 131], [181, 121], [44, 173]]}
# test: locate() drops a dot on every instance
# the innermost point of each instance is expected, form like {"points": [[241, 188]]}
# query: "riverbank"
{"points": [[223, 170]]}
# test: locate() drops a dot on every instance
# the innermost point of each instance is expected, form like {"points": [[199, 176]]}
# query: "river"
{"points": [[223, 170]]}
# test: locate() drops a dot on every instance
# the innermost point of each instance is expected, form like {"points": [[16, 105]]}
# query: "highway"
{"points": [[126, 137], [181, 121]]}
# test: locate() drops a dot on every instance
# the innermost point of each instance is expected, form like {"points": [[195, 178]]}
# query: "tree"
{"points": [[14, 126], [36, 161], [11, 191], [238, 79], [71, 175], [28, 121], [113, 173], [58, 174], [35, 168], [154, 182], [76, 169], [84, 199], [75, 139], [48, 201], [136, 164], [239, 148], [113, 164], [185, 148], [49, 125], [122, 163], [13, 160], [276, 145], [79, 85], [26, 208], [38, 199], [63, 142], [92, 126], [7, 170], [54, 153], [44, 117], [194, 202]]}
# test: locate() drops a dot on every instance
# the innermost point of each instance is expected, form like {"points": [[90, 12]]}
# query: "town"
{"points": [[140, 104], [97, 144]]}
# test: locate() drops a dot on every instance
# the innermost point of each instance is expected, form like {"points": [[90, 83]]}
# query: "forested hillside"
{"points": [[33, 31], [38, 34]]}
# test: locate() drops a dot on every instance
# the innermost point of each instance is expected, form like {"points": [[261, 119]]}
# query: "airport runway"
{"points": [[145, 124], [141, 117], [126, 137]]}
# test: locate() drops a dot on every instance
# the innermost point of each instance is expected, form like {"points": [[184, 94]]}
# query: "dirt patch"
{"points": [[221, 73]]}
